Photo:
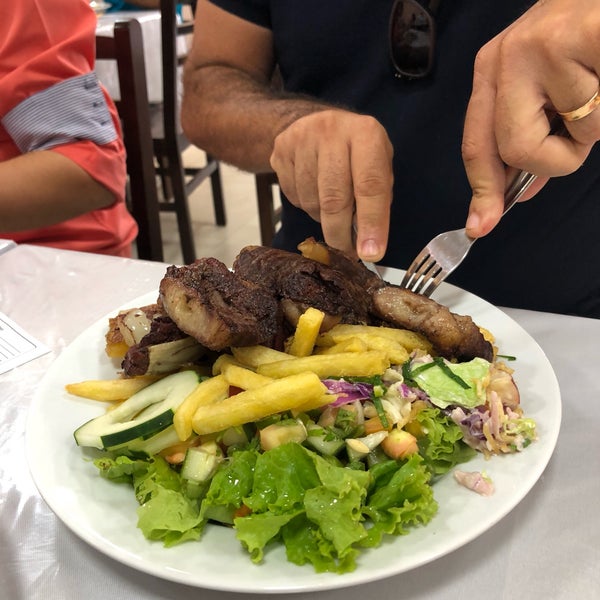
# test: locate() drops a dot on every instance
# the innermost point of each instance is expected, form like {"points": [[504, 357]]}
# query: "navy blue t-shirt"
{"points": [[543, 254]]}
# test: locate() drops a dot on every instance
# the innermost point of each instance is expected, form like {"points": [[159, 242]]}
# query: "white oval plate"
{"points": [[104, 514]]}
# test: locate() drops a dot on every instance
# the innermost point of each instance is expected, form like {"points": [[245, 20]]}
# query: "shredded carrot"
{"points": [[374, 425], [242, 511]]}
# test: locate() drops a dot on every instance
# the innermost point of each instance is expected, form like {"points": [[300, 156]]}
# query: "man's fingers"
{"points": [[373, 196], [524, 131], [483, 165], [373, 179], [544, 65], [335, 195], [337, 166], [306, 183]]}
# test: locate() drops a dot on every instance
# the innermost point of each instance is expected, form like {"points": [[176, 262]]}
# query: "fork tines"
{"points": [[424, 274]]}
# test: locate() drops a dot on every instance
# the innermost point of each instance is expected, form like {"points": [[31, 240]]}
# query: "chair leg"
{"points": [[217, 193], [182, 210], [266, 213], [163, 169]]}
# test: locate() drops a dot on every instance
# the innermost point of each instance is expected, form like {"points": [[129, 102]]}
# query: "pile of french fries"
{"points": [[254, 382]]}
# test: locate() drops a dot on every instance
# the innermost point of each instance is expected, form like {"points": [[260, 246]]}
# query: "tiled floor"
{"points": [[224, 243]]}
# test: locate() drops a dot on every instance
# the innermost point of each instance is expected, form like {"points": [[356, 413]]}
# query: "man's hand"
{"points": [[546, 62], [337, 166]]}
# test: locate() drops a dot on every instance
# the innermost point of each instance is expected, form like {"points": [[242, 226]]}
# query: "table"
{"points": [[149, 21], [547, 547], [150, 24]]}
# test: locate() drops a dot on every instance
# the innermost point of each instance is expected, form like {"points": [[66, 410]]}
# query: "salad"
{"points": [[327, 462]]}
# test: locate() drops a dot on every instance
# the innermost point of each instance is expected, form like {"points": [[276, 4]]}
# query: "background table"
{"points": [[149, 21], [547, 547]]}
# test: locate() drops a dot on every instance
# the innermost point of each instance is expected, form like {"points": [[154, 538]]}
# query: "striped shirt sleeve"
{"points": [[71, 110]]}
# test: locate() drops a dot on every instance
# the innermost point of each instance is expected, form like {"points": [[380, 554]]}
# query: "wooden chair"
{"points": [[169, 140], [269, 216], [127, 50]]}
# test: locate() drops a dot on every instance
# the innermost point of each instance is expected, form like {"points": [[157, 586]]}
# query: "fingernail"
{"points": [[472, 221], [369, 249]]}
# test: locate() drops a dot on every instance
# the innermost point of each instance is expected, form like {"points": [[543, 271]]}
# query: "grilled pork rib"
{"points": [[217, 307], [452, 335], [300, 282], [221, 308]]}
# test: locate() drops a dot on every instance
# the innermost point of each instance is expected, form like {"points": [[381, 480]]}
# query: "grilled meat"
{"points": [[128, 327], [163, 349], [352, 269], [452, 335], [219, 308], [300, 282]]}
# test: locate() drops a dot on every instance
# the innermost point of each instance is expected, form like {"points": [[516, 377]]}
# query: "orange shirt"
{"points": [[44, 43]]}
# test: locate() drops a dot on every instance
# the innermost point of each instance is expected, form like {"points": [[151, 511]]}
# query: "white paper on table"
{"points": [[6, 245], [17, 347]]}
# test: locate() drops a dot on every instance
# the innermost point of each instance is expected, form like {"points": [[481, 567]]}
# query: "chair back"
{"points": [[127, 50], [172, 31], [179, 180]]}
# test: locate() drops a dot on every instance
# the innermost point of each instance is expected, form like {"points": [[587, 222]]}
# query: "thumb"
{"points": [[485, 211]]}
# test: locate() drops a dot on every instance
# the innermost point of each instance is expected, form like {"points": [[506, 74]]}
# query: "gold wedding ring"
{"points": [[583, 111]]}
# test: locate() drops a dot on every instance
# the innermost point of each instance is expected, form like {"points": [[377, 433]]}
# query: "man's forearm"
{"points": [[235, 118]]}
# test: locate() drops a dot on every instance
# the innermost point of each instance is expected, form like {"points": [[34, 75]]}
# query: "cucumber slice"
{"points": [[318, 442], [142, 416], [199, 465], [150, 446]]}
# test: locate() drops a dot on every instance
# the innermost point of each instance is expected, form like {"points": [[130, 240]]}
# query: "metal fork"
{"points": [[447, 250]]}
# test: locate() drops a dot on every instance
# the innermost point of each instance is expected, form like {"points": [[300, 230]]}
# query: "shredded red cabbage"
{"points": [[348, 391], [412, 392], [472, 422]]}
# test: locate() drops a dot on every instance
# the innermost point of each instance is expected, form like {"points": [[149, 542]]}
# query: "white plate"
{"points": [[104, 514]]}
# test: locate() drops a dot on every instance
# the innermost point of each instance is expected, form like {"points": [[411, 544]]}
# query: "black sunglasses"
{"points": [[412, 37]]}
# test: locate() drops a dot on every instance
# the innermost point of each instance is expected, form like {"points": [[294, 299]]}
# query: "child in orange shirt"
{"points": [[62, 159]]}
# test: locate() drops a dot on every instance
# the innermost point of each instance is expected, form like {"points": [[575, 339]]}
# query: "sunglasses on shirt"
{"points": [[412, 37]]}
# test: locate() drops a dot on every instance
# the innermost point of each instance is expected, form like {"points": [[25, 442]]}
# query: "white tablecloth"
{"points": [[548, 547], [150, 24]]}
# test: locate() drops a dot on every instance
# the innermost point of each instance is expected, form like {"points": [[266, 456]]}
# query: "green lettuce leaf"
{"points": [[305, 543], [313, 506], [121, 469], [441, 444], [399, 498], [323, 513], [463, 390], [231, 483], [281, 477], [166, 512], [256, 531], [170, 516]]}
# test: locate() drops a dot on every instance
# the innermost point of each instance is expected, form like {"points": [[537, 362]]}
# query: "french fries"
{"points": [[396, 353], [253, 356], [222, 360], [208, 392], [410, 340], [251, 405], [350, 344], [110, 390], [243, 378], [307, 330], [272, 381], [275, 381], [345, 364]]}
